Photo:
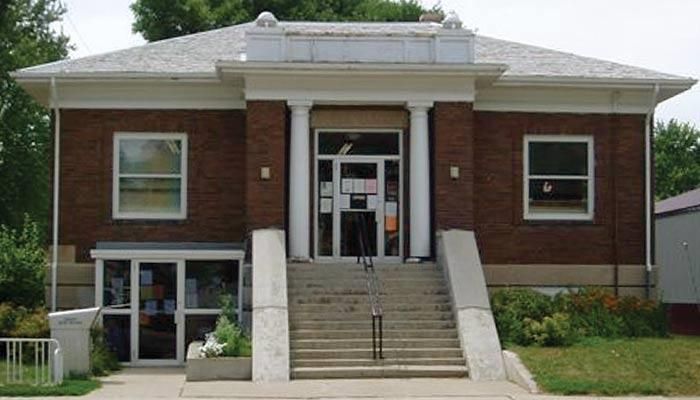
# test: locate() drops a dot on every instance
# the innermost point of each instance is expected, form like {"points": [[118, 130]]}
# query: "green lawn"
{"points": [[73, 386], [618, 366], [69, 387]]}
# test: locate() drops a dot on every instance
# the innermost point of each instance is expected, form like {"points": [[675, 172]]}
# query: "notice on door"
{"points": [[326, 206], [326, 189], [346, 185], [371, 186]]}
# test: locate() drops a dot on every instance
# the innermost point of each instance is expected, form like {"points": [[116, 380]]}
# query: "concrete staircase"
{"points": [[331, 327]]}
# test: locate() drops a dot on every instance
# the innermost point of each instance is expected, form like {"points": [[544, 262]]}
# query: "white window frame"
{"points": [[118, 136], [590, 177]]}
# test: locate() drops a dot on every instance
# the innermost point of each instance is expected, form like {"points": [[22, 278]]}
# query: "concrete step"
{"points": [[363, 362], [366, 352], [365, 316], [384, 371], [367, 324], [447, 333], [362, 283], [362, 290], [364, 308], [319, 273], [337, 344], [363, 299], [353, 266]]}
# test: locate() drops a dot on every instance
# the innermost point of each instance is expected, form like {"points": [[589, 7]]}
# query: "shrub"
{"points": [[34, 324], [512, 306], [555, 330], [17, 321], [227, 340], [102, 360], [235, 342], [526, 317], [22, 265]]}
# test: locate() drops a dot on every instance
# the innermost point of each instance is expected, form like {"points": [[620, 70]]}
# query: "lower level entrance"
{"points": [[156, 302], [358, 194]]}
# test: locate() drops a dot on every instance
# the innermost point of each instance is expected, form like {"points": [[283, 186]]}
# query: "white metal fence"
{"points": [[31, 361]]}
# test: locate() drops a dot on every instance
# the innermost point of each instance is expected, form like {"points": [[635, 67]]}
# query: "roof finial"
{"points": [[266, 19], [452, 21]]}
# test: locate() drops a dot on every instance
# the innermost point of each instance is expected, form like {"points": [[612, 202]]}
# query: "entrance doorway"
{"points": [[156, 302], [358, 183]]}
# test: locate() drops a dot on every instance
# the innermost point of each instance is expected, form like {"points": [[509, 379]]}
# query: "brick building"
{"points": [[171, 153]]}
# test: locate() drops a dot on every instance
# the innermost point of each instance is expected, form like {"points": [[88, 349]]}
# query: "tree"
{"points": [[26, 38], [677, 158], [162, 19]]}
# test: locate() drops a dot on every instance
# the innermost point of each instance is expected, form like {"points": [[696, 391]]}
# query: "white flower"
{"points": [[211, 347]]}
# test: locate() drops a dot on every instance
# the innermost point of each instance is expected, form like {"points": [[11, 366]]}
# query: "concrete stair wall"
{"points": [[331, 327]]}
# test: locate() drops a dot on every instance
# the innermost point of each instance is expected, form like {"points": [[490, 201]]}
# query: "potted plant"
{"points": [[226, 352]]}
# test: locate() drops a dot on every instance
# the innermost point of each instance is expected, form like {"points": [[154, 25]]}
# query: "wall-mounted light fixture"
{"points": [[454, 172], [265, 173]]}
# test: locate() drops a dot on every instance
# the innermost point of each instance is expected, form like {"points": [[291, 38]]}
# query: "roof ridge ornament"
{"points": [[452, 21], [266, 19]]}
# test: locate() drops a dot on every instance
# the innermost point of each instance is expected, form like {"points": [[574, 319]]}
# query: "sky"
{"points": [[659, 35]]}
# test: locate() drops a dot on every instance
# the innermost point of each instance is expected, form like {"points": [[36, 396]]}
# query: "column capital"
{"points": [[417, 106], [300, 105]]}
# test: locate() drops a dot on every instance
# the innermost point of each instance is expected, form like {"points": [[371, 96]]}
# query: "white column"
{"points": [[299, 205], [420, 180]]}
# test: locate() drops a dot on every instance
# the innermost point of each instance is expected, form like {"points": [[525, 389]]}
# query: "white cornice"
{"points": [[139, 94], [243, 68]]}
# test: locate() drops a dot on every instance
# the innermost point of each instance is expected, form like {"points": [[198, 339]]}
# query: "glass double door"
{"points": [[358, 205]]}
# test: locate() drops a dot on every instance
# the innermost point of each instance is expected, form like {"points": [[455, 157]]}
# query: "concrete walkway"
{"points": [[169, 383]]}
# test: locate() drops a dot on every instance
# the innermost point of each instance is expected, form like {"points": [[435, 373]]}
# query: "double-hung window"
{"points": [[558, 177], [150, 176]]}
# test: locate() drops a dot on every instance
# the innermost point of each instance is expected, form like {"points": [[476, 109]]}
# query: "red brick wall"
{"points": [[504, 237], [266, 147], [453, 145], [215, 192]]}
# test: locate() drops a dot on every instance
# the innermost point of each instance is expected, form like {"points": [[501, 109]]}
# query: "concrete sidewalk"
{"points": [[169, 383]]}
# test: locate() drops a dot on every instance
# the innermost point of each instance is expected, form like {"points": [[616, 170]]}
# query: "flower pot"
{"points": [[199, 368]]}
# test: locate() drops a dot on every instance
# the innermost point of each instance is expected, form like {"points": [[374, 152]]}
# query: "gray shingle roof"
{"points": [[197, 54], [686, 201]]}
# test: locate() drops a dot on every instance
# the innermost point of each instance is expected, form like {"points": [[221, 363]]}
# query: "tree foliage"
{"points": [[26, 38], [22, 265], [677, 158], [162, 19]]}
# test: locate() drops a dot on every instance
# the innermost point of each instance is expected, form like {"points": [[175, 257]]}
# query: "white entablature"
{"points": [[431, 43]]}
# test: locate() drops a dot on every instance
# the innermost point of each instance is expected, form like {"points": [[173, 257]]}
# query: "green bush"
{"points": [[34, 324], [22, 265], [525, 317], [17, 321], [102, 360], [554, 330], [512, 306], [235, 342], [227, 340]]}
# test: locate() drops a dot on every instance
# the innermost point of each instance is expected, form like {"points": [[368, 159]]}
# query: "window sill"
{"points": [[559, 222], [151, 221]]}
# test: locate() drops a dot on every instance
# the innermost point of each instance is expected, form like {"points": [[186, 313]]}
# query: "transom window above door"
{"points": [[350, 143], [558, 177], [150, 176]]}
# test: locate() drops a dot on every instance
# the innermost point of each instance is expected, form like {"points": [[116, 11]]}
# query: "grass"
{"points": [[648, 366], [69, 387]]}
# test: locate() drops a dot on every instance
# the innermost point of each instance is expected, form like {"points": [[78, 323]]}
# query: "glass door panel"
{"points": [[359, 198], [392, 207], [325, 207], [157, 300]]}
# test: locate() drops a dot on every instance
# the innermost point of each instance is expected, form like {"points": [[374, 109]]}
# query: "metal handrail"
{"points": [[48, 363], [373, 288]]}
